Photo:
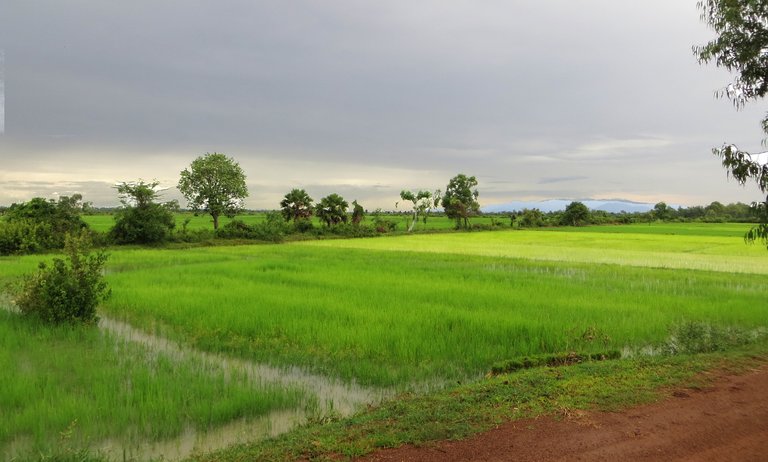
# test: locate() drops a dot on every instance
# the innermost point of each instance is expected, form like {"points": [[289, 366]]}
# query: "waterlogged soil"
{"points": [[725, 421], [331, 396]]}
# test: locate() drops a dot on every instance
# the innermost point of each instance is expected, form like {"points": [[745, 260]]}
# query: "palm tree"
{"points": [[297, 205]]}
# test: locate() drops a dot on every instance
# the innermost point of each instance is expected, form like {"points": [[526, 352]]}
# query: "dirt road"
{"points": [[727, 421]]}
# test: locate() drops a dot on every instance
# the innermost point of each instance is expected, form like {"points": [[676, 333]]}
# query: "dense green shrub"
{"points": [[68, 290], [146, 225], [272, 229], [24, 236], [142, 220], [40, 224], [382, 224], [303, 225], [346, 230]]}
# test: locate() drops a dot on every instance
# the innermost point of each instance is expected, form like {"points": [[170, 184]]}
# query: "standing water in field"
{"points": [[331, 396]]}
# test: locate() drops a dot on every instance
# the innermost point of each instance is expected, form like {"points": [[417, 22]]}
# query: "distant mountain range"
{"points": [[553, 205]]}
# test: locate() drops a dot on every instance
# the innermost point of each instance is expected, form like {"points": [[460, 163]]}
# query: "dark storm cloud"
{"points": [[398, 94]]}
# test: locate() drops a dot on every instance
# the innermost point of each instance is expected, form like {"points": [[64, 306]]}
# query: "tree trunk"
{"points": [[215, 221], [413, 223]]}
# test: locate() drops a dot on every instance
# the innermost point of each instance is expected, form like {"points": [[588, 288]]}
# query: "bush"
{"points": [[303, 225], [142, 225], [45, 222], [24, 236], [69, 290], [383, 225], [273, 229], [346, 230]]}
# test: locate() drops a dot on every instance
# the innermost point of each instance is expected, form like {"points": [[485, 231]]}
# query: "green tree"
{"points": [[142, 220], [531, 218], [358, 213], [69, 290], [422, 203], [215, 184], [576, 214], [296, 205], [460, 200], [741, 46], [661, 211], [332, 209]]}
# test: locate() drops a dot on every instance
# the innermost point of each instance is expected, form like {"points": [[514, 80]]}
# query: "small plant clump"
{"points": [[691, 337], [69, 290]]}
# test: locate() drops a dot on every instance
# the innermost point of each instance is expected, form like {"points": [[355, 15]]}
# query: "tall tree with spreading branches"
{"points": [[215, 184], [741, 46]]}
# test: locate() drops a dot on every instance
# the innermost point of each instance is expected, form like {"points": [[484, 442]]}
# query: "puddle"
{"points": [[192, 442], [332, 394]]}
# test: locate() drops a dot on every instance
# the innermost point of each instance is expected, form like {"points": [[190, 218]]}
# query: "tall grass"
{"points": [[92, 386]]}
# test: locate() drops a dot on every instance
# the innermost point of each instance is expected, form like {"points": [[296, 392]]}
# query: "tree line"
{"points": [[215, 185]]}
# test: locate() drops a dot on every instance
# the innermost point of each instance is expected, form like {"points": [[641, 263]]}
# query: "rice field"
{"points": [[90, 387], [393, 311], [103, 223], [407, 312]]}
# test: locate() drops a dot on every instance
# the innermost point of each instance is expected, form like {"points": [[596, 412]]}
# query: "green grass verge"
{"points": [[464, 410]]}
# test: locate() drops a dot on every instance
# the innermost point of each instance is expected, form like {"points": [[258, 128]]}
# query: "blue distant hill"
{"points": [[553, 205]]}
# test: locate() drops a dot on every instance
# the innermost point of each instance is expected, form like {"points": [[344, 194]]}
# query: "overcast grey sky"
{"points": [[538, 99]]}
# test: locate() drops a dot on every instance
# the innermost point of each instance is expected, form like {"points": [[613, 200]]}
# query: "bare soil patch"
{"points": [[724, 421]]}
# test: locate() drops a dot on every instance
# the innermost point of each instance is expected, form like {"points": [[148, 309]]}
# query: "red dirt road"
{"points": [[727, 421]]}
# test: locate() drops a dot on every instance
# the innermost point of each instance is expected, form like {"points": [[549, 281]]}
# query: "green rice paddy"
{"points": [[425, 309], [92, 386], [104, 223]]}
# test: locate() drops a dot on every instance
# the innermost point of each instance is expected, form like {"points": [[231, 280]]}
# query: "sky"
{"points": [[538, 100]]}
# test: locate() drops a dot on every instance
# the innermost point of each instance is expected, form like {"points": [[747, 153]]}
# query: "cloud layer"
{"points": [[537, 99]]}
